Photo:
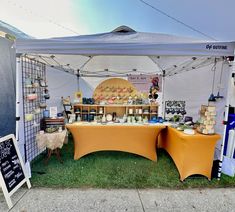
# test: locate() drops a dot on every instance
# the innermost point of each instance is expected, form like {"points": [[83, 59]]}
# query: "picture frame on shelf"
{"points": [[53, 112]]}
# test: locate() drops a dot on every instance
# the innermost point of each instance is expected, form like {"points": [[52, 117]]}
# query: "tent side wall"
{"points": [[7, 87], [63, 84]]}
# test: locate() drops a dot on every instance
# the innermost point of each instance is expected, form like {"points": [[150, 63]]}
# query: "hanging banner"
{"points": [[144, 82]]}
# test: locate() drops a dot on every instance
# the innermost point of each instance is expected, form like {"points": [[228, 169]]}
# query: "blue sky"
{"points": [[70, 17]]}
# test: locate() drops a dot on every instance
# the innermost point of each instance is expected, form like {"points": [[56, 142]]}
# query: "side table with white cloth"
{"points": [[53, 142]]}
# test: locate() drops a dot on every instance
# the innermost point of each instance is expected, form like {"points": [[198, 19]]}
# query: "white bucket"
{"points": [[228, 166]]}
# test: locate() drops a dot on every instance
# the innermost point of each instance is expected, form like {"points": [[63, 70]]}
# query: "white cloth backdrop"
{"points": [[63, 84]]}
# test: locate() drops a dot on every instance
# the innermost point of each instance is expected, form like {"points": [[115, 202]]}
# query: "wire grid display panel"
{"points": [[33, 72]]}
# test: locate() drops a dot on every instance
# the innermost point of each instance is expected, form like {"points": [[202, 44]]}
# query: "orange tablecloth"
{"points": [[192, 154], [137, 139]]}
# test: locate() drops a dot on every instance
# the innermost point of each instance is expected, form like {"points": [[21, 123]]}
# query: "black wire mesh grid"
{"points": [[33, 87]]}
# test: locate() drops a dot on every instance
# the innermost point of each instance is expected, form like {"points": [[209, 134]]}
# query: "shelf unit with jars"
{"points": [[86, 112]]}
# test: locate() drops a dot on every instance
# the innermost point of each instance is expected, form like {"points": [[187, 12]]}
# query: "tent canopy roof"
{"points": [[123, 51], [4, 27]]}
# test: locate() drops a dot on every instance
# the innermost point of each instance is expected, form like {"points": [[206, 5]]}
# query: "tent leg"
{"points": [[225, 126], [163, 96], [78, 81], [18, 134], [17, 98]]}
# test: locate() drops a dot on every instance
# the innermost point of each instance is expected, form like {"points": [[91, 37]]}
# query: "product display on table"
{"points": [[112, 100], [207, 120], [116, 113], [52, 124]]}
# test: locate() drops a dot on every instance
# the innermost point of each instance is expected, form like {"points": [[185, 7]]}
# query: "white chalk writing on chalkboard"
{"points": [[18, 175], [9, 174], [6, 168], [17, 161], [5, 163], [16, 167], [5, 149], [11, 183], [10, 165]]}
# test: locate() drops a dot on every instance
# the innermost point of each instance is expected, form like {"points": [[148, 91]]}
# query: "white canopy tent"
{"points": [[125, 52]]}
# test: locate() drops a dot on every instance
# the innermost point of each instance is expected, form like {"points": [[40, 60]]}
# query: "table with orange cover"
{"points": [[137, 139], [192, 154]]}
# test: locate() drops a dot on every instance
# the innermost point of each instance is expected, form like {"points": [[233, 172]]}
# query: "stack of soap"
{"points": [[207, 119]]}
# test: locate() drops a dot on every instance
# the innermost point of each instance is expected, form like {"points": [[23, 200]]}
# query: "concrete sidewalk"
{"points": [[43, 199]]}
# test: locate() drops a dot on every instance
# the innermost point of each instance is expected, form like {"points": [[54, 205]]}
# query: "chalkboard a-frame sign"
{"points": [[12, 171]]}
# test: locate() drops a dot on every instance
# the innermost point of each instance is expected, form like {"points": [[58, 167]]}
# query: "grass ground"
{"points": [[115, 170]]}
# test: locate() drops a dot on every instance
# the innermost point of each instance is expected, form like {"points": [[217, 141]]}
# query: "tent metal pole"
{"points": [[225, 125], [78, 80], [163, 93], [18, 69], [85, 63], [163, 83]]}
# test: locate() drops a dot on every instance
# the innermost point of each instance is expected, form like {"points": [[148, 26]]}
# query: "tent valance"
{"points": [[76, 47], [124, 51]]}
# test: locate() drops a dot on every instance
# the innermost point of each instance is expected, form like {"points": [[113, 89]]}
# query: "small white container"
{"points": [[101, 110], [41, 132], [189, 131]]}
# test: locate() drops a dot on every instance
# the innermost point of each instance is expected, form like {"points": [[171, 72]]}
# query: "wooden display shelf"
{"points": [[115, 105], [52, 122], [120, 110]]}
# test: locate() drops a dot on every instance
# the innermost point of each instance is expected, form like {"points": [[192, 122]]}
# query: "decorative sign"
{"points": [[53, 112], [173, 108], [114, 91], [12, 172], [10, 167], [144, 82]]}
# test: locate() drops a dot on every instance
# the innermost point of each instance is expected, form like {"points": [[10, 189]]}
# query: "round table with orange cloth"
{"points": [[137, 139]]}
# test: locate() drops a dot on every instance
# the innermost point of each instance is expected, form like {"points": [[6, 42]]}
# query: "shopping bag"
{"points": [[228, 166]]}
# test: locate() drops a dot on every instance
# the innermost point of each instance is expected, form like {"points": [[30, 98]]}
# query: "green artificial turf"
{"points": [[115, 170]]}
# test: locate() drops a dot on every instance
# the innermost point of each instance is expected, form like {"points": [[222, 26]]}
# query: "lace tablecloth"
{"points": [[51, 140]]}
